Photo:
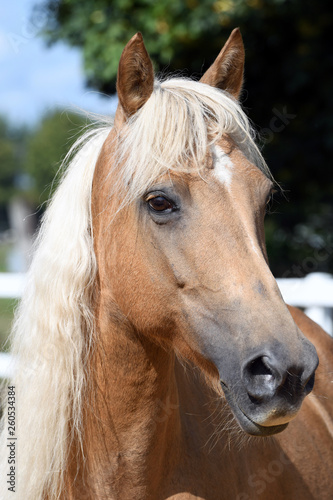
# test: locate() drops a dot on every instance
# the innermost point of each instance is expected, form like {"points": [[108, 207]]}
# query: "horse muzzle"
{"points": [[271, 390]]}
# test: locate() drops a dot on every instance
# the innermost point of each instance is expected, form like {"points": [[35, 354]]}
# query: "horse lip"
{"points": [[245, 422]]}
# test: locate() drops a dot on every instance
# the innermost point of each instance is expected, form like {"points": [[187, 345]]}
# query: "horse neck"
{"points": [[132, 423]]}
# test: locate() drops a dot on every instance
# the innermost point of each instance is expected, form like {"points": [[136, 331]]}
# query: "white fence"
{"points": [[11, 285], [314, 293]]}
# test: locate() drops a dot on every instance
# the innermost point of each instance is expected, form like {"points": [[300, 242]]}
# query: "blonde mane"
{"points": [[53, 330]]}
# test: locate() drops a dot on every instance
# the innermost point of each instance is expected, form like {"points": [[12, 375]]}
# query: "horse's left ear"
{"points": [[135, 79], [226, 72]]}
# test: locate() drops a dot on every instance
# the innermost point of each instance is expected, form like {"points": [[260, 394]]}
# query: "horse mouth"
{"points": [[245, 422]]}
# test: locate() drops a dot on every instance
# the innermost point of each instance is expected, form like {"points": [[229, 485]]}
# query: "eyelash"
{"points": [[270, 199]]}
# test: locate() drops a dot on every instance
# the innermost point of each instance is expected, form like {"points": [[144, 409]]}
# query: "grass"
{"points": [[6, 317], [5, 249], [6, 305]]}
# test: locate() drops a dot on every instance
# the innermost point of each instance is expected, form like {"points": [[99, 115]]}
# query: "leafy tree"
{"points": [[46, 149], [173, 31], [12, 147], [289, 81], [8, 161], [30, 159]]}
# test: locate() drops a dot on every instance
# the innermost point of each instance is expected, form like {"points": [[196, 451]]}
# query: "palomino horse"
{"points": [[152, 337]]}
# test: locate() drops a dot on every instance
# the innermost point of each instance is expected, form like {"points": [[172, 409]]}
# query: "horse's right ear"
{"points": [[135, 80]]}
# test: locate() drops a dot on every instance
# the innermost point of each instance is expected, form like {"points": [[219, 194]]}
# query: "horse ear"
{"points": [[135, 79], [226, 72]]}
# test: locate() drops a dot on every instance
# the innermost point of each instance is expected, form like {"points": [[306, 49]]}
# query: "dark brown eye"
{"points": [[160, 204]]}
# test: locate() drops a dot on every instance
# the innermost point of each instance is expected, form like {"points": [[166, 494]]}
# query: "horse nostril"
{"points": [[269, 375], [259, 367], [261, 378]]}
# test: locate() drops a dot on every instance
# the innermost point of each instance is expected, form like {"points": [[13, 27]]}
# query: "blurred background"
{"points": [[61, 56]]}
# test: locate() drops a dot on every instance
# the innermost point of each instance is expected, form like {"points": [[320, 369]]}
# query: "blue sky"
{"points": [[34, 78]]}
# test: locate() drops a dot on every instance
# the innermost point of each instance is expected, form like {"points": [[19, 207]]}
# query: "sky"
{"points": [[35, 78]]}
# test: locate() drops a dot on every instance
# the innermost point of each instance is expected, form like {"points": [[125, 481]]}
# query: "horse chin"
{"points": [[246, 423]]}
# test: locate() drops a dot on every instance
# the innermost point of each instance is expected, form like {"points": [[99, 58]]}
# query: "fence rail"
{"points": [[314, 293], [11, 285]]}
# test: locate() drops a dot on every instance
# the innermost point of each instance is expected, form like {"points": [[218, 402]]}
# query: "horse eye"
{"points": [[160, 204]]}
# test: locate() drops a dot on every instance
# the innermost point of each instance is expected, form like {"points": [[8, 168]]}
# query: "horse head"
{"points": [[179, 199]]}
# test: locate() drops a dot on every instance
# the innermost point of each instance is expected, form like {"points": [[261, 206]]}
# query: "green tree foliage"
{"points": [[9, 167], [289, 82], [174, 32], [12, 147], [46, 149], [30, 158]]}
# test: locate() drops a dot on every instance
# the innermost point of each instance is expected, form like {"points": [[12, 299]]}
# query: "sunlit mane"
{"points": [[53, 329]]}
